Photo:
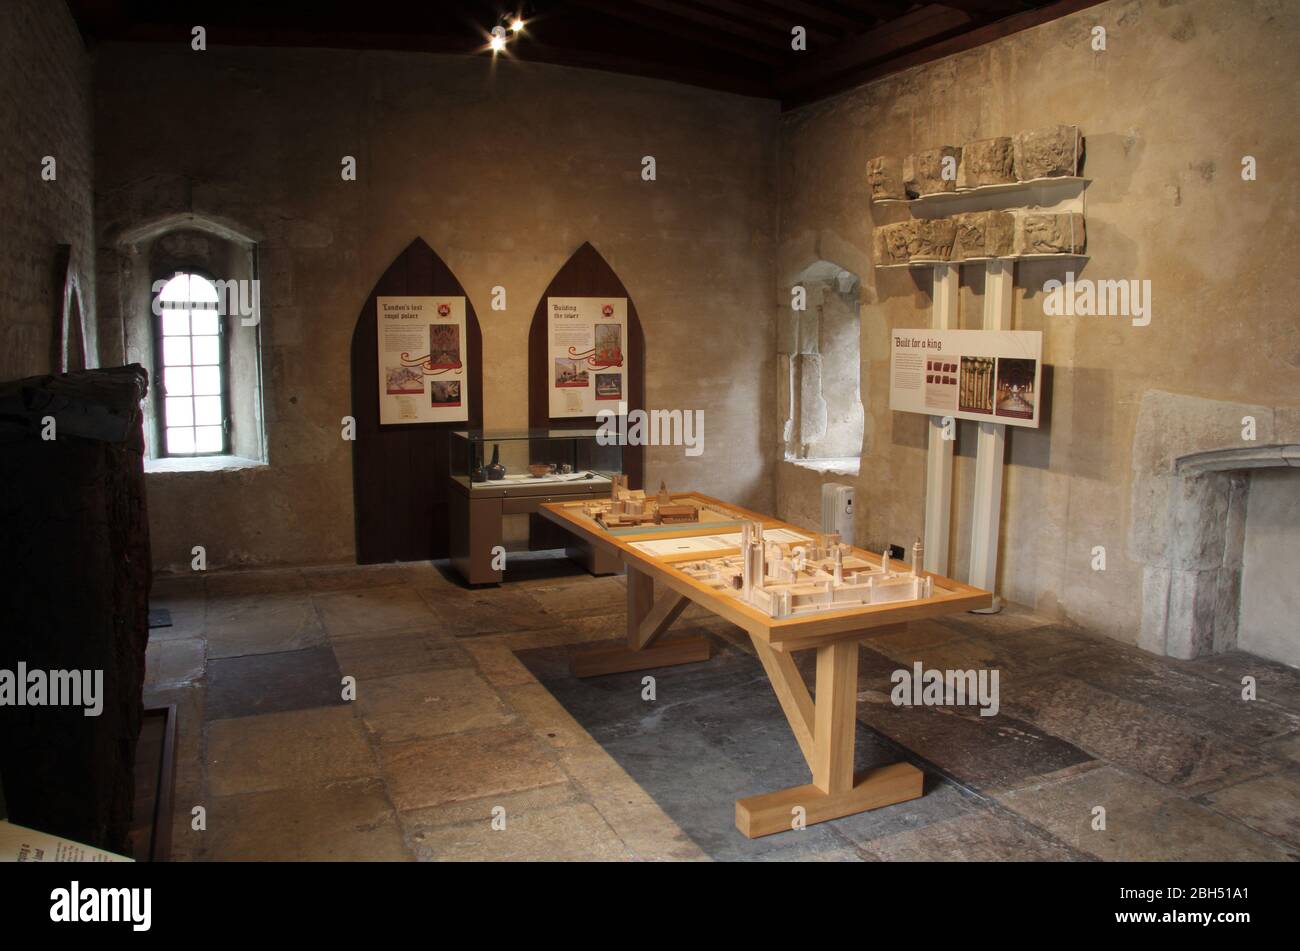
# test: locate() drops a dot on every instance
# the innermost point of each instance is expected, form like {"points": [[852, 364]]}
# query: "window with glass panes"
{"points": [[192, 357]]}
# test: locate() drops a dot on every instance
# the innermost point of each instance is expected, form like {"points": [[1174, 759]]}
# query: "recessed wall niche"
{"points": [[819, 387]]}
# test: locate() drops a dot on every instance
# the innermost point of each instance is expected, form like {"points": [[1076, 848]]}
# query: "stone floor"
{"points": [[464, 712]]}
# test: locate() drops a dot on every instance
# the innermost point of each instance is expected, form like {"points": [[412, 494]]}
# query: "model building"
{"points": [[790, 580], [629, 507]]}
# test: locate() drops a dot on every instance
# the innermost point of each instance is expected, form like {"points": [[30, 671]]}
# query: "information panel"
{"points": [[422, 360], [587, 358], [993, 376]]}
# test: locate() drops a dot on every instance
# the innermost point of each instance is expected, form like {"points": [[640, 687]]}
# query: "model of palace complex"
{"points": [[794, 580], [628, 507]]}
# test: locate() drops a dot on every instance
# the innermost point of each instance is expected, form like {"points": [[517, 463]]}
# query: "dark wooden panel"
{"points": [[585, 274], [399, 473], [923, 35]]}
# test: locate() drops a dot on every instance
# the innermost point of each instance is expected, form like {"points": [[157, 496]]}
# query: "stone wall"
{"points": [[45, 111], [505, 169], [1182, 92]]}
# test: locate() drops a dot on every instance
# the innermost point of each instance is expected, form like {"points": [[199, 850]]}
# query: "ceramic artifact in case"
{"points": [[495, 474]]}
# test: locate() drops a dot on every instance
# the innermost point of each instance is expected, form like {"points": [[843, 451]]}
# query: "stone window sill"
{"points": [[199, 464], [845, 465]]}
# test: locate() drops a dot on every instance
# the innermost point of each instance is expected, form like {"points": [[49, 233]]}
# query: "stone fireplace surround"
{"points": [[1190, 483]]}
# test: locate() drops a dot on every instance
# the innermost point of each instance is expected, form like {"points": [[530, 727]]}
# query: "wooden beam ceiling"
{"points": [[832, 20], [741, 46], [926, 23], [711, 21], [776, 22], [646, 18]]}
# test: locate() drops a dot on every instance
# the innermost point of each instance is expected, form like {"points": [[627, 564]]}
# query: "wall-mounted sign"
{"points": [[993, 376], [422, 376], [586, 345]]}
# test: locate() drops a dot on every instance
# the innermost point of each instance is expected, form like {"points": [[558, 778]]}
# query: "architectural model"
{"points": [[792, 580], [627, 507]]}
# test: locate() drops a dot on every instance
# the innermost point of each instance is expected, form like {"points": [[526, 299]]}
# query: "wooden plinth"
{"points": [[775, 812]]}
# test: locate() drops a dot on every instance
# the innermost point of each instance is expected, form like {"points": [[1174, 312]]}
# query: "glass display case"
{"points": [[495, 475], [523, 462]]}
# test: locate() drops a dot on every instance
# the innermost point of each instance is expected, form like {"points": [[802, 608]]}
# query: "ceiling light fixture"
{"points": [[509, 27]]}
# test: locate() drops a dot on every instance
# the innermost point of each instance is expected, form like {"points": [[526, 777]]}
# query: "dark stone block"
{"points": [[77, 568]]}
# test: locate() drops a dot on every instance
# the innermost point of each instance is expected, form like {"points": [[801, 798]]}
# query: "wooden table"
{"points": [[824, 726]]}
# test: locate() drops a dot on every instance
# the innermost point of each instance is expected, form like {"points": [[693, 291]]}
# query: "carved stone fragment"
{"points": [[885, 177], [933, 240], [893, 242], [924, 173], [984, 234], [987, 162], [1047, 153], [1053, 234]]}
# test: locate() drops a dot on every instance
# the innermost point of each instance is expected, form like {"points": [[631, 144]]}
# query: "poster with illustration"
{"points": [[1017, 387], [422, 365], [586, 339], [975, 385], [988, 375]]}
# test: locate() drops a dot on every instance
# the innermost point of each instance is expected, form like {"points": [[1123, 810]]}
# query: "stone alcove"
{"points": [[819, 370], [1216, 530]]}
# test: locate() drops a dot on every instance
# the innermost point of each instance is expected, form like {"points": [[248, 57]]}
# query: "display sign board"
{"points": [[993, 376], [587, 356], [20, 844], [422, 376]]}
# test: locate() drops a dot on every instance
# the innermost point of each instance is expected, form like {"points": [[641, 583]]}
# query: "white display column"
{"points": [[938, 462], [986, 513]]}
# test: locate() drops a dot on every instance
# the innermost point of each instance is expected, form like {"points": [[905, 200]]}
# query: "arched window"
{"points": [[192, 357]]}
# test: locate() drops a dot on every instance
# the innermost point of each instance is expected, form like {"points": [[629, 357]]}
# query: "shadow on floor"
{"points": [[715, 733]]}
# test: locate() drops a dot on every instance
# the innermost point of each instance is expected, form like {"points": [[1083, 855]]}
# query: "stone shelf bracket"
{"points": [[1043, 192]]}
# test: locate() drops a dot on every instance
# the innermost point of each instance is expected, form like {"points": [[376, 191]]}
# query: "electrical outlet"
{"points": [[896, 552]]}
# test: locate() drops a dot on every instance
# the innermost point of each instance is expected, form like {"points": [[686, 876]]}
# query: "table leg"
{"points": [[835, 791], [647, 619]]}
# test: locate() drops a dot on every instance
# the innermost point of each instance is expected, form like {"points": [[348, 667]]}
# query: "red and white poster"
{"points": [[586, 345], [422, 363]]}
